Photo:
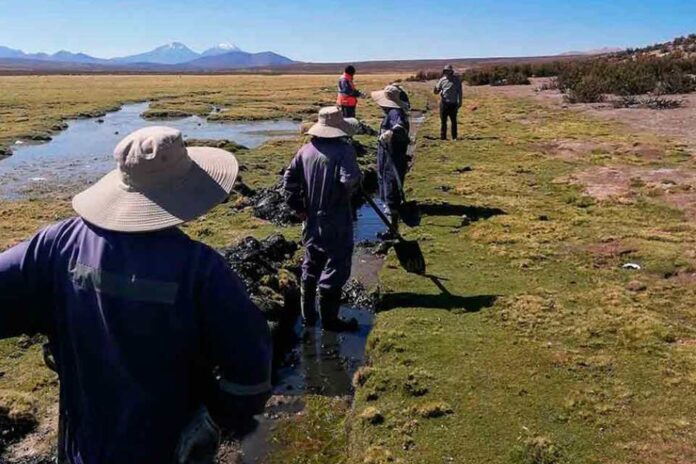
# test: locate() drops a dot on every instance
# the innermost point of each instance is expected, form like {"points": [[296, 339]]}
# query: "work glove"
{"points": [[386, 137], [200, 440]]}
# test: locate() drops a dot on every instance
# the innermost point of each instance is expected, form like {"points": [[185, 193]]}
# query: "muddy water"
{"points": [[321, 363], [82, 153]]}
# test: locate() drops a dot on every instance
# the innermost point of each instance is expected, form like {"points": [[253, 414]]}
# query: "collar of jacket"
{"points": [[347, 76]]}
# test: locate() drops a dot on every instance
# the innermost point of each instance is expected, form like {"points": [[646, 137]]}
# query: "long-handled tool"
{"points": [[409, 252]]}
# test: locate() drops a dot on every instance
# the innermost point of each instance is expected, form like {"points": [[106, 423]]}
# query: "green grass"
{"points": [[540, 350], [315, 436]]}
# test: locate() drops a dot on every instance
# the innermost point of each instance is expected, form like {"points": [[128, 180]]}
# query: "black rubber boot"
{"points": [[329, 305], [309, 302]]}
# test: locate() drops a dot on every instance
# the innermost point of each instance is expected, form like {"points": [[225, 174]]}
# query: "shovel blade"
{"points": [[410, 213], [410, 256]]}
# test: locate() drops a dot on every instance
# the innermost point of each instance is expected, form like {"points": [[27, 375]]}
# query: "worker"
{"points": [[392, 152], [318, 185], [449, 87], [347, 93], [155, 340]]}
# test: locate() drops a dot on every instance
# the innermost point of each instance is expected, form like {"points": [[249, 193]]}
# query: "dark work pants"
{"points": [[348, 111], [330, 270], [448, 110]]}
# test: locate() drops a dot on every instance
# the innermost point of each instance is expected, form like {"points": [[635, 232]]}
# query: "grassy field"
{"points": [[537, 347], [34, 107], [529, 344]]}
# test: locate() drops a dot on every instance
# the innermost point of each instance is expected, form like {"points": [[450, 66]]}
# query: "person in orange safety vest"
{"points": [[347, 93]]}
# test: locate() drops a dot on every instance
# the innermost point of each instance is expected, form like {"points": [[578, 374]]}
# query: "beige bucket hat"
{"points": [[331, 124], [159, 183], [390, 97]]}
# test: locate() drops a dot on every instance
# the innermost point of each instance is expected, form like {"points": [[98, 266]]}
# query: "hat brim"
{"points": [[111, 205], [380, 97], [330, 132]]}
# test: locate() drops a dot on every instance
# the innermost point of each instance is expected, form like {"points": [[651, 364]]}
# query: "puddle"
{"points": [[83, 152]]}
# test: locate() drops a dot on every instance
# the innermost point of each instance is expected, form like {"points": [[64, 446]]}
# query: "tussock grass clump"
{"points": [[432, 409], [371, 415], [538, 450]]}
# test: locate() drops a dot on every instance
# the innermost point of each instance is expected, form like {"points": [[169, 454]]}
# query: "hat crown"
{"points": [[331, 116], [152, 156], [393, 93]]}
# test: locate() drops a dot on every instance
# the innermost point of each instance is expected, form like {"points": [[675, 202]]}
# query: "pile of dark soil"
{"points": [[13, 429], [270, 276], [267, 203]]}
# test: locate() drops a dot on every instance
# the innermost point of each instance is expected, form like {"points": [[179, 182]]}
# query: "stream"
{"points": [[82, 153]]}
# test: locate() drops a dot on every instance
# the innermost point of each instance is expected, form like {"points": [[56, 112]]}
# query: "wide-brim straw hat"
{"points": [[390, 97], [159, 183], [331, 124]]}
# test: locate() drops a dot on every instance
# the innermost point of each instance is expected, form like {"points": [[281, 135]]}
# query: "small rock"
{"points": [[466, 220], [100, 121], [464, 169], [632, 266]]}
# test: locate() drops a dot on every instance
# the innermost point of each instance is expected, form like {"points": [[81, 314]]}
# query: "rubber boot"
{"points": [[308, 303], [329, 305]]}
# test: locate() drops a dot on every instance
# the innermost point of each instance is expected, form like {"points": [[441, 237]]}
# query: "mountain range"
{"points": [[222, 56]]}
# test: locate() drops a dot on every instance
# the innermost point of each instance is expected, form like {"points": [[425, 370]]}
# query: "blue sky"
{"points": [[327, 30]]}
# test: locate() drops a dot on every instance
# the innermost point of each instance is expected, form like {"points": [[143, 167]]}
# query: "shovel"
{"points": [[409, 252]]}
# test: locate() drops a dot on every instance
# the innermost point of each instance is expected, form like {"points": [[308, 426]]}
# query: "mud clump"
{"points": [[270, 277], [13, 428], [266, 203], [270, 205], [355, 294]]}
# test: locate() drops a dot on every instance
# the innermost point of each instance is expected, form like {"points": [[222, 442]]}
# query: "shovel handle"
{"points": [[381, 215]]}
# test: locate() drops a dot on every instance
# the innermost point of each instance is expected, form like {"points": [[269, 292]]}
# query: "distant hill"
{"points": [[238, 59], [6, 52], [597, 51], [173, 53], [62, 55]]}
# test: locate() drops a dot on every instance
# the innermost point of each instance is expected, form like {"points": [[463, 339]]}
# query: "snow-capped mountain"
{"points": [[221, 49], [173, 53], [219, 57]]}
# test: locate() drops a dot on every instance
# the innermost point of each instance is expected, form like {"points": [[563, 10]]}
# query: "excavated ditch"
{"points": [[317, 362]]}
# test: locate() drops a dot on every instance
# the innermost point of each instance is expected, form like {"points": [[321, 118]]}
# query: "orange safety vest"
{"points": [[343, 99]]}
